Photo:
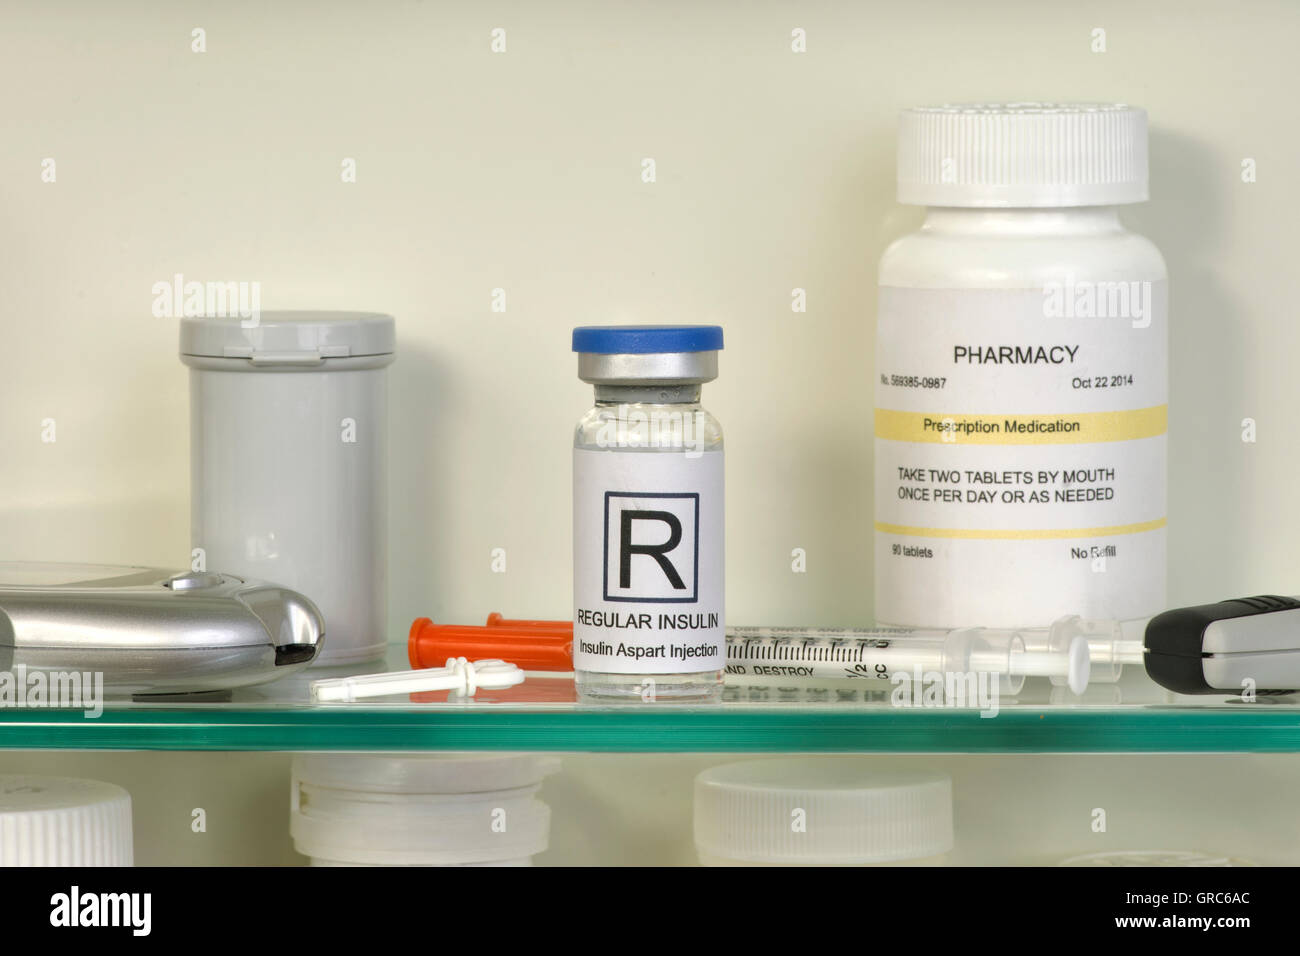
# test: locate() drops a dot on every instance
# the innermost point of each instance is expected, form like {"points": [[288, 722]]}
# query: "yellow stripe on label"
{"points": [[1022, 429], [1000, 534]]}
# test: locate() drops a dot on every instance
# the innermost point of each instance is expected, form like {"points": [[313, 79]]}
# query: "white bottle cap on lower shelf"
{"points": [[820, 810], [423, 773], [419, 809], [63, 821]]}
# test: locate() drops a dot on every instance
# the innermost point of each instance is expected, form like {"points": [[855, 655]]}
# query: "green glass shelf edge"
{"points": [[1132, 730]]}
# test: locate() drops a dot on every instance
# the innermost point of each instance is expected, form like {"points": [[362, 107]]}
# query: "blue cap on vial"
{"points": [[646, 339]]}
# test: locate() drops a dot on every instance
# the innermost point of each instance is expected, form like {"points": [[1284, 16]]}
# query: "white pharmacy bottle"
{"points": [[1022, 373], [648, 601]]}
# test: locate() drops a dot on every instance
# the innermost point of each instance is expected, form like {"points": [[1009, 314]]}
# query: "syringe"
{"points": [[882, 653], [790, 652], [1111, 644], [1042, 651]]}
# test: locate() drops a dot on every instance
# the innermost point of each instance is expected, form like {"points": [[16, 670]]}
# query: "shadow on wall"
{"points": [[420, 390], [1208, 342], [896, 221]]}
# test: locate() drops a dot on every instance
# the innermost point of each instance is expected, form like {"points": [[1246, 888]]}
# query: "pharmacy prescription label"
{"points": [[1020, 467], [648, 561]]}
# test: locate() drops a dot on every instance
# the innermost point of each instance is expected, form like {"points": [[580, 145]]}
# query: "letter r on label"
{"points": [[651, 546], [656, 551]]}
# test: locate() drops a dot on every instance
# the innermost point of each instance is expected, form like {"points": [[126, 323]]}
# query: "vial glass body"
{"points": [[655, 449], [1021, 396]]}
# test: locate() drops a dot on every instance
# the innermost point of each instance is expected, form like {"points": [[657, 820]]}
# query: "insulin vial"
{"points": [[1022, 379], [648, 517], [822, 811]]}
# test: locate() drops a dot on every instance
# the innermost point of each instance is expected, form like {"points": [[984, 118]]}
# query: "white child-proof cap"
{"points": [[821, 810], [63, 821], [419, 810], [1023, 155]]}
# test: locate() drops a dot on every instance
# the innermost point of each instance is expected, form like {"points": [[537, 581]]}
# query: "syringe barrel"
{"points": [[982, 650], [1111, 643], [881, 653]]}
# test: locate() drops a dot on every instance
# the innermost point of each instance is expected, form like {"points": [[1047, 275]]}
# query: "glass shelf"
{"points": [[542, 715]]}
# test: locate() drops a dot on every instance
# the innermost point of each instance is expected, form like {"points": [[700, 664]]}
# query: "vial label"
{"points": [[648, 562], [1020, 454]]}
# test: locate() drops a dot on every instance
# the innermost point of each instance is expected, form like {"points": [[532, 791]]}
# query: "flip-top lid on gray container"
{"points": [[293, 339]]}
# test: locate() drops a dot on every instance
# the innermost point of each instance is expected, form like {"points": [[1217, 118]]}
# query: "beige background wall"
{"points": [[521, 171], [621, 810]]}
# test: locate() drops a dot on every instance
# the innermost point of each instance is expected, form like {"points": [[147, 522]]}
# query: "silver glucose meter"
{"points": [[154, 631]]}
